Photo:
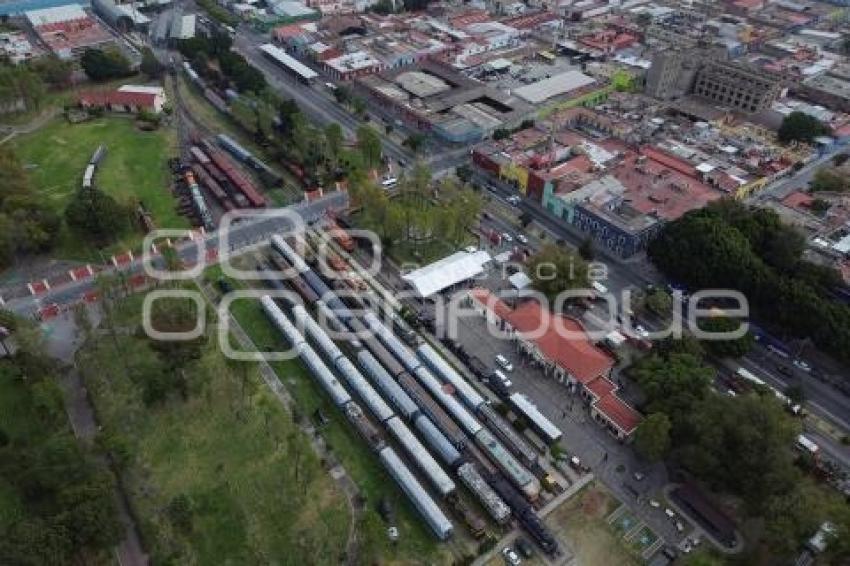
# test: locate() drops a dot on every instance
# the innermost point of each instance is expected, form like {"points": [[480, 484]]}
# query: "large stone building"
{"points": [[736, 86], [705, 72]]}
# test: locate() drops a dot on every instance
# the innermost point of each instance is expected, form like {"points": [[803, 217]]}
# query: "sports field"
{"points": [[134, 169]]}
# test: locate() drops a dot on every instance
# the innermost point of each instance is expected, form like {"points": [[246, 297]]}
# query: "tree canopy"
{"points": [[105, 64], [729, 246], [26, 224], [96, 216], [554, 269], [652, 438], [799, 126]]}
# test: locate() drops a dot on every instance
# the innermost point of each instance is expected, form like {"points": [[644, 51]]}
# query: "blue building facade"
{"points": [[623, 240]]}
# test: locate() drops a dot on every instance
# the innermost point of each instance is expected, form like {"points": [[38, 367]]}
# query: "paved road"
{"points": [[799, 180], [242, 234], [319, 105]]}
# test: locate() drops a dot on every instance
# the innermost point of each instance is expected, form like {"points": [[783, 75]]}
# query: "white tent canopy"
{"points": [[444, 273]]}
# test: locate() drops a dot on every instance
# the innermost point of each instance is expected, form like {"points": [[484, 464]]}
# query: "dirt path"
{"points": [[11, 131]]}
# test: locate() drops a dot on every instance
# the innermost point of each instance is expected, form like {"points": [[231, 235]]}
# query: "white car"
{"points": [[521, 239], [654, 503], [513, 199], [503, 378], [670, 513], [507, 238], [504, 363], [471, 249], [800, 364], [511, 557], [680, 527]]}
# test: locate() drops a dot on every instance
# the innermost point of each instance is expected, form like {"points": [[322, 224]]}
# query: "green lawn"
{"points": [[231, 452], [417, 544], [135, 167]]}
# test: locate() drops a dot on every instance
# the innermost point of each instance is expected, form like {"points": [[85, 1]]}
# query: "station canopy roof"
{"points": [[444, 273]]}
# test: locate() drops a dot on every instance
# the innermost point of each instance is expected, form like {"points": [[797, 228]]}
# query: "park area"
{"points": [[219, 474], [135, 169], [582, 523]]}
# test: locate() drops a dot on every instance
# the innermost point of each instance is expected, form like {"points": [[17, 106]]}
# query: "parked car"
{"points": [[522, 239], [513, 199], [507, 237], [504, 363], [670, 513], [511, 557], [800, 364], [502, 378]]}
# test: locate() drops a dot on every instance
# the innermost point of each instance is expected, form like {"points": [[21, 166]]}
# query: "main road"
{"points": [[241, 234], [317, 103]]}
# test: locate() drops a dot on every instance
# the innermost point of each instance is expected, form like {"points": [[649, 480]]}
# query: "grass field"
{"points": [[417, 544], [581, 522], [135, 167], [231, 451]]}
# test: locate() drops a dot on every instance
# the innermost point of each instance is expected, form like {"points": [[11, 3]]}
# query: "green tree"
{"points": [[660, 303], [104, 64], [672, 385], [369, 143], [20, 88], [150, 65], [553, 270], [464, 173], [96, 216], [652, 438], [798, 126], [741, 445], [54, 71], [736, 348], [334, 137], [829, 180]]}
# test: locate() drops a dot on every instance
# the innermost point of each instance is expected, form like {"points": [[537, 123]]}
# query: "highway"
{"points": [[241, 235]]}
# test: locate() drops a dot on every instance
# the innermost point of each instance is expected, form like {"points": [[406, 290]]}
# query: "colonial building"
{"points": [[560, 346]]}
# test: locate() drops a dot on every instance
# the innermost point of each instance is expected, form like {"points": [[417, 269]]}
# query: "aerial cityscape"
{"points": [[366, 282]]}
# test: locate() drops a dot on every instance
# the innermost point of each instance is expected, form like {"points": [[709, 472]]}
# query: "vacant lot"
{"points": [[134, 169], [581, 522], [257, 492], [417, 544]]}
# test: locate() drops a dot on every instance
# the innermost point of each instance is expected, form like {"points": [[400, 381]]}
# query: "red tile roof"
{"points": [[798, 199], [584, 361], [573, 352], [601, 387], [117, 97], [619, 413]]}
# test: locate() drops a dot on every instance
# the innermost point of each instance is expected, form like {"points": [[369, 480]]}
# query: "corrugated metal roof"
{"points": [[451, 270], [540, 91]]}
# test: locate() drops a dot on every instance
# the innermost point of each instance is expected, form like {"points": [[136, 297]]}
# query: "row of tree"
{"points": [[727, 245], [737, 445], [231, 68], [419, 210]]}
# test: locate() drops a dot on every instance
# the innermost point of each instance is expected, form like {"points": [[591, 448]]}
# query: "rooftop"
{"points": [[442, 274], [545, 89]]}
